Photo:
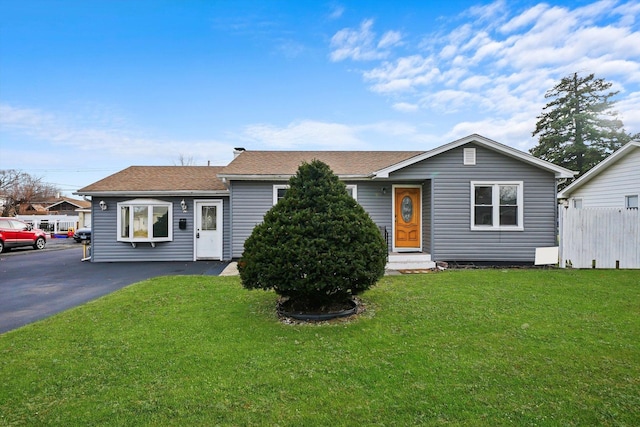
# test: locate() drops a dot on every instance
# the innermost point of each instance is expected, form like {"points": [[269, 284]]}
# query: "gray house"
{"points": [[160, 213], [470, 200]]}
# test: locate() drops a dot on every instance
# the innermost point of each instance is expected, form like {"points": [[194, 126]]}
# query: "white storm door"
{"points": [[208, 229]]}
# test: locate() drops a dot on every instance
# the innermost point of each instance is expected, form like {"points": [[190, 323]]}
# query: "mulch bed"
{"points": [[283, 306]]}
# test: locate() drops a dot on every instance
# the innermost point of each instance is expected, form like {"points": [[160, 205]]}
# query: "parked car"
{"points": [[15, 233], [82, 235]]}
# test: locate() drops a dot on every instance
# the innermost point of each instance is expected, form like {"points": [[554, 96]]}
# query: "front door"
{"points": [[208, 229], [407, 213]]}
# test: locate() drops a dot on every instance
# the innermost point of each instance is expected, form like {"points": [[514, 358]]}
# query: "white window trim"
{"points": [[354, 191], [575, 202], [275, 191], [496, 206], [276, 187], [148, 203]]}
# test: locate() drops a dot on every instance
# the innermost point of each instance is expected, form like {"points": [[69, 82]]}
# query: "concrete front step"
{"points": [[409, 261]]}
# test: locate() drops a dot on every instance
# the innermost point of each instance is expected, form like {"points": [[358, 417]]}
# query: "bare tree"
{"points": [[19, 188], [185, 161]]}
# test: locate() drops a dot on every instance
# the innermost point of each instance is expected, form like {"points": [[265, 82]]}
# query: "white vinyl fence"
{"points": [[600, 238], [54, 224]]}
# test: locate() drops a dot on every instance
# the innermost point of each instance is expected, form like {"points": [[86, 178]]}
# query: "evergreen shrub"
{"points": [[317, 245]]}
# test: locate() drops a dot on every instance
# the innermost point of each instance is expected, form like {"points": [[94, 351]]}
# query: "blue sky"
{"points": [[88, 88]]}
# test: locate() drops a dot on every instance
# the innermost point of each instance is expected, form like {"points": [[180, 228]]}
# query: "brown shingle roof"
{"points": [[77, 202], [343, 163], [159, 179]]}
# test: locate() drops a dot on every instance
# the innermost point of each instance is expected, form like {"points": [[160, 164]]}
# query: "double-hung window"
{"points": [[496, 205], [145, 220]]}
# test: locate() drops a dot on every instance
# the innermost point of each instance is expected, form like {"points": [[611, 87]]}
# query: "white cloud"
{"points": [[360, 44], [306, 134], [530, 16], [491, 15], [404, 74], [336, 12], [387, 128], [498, 65], [474, 82], [389, 39], [405, 107], [628, 12], [23, 119], [514, 131], [316, 135], [629, 108], [451, 101], [96, 139]]}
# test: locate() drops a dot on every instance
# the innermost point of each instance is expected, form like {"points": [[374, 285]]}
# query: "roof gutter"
{"points": [[282, 177], [138, 193]]}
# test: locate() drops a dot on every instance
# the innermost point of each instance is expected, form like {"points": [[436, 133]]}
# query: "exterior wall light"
{"points": [[183, 204], [103, 205]]}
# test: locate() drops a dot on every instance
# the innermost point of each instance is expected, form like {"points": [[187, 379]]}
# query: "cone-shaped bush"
{"points": [[316, 245]]}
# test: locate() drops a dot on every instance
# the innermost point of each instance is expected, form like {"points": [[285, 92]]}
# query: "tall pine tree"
{"points": [[579, 128]]}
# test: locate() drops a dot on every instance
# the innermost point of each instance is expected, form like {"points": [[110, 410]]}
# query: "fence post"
{"points": [[561, 213]]}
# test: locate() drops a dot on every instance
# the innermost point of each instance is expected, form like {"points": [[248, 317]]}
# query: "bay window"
{"points": [[145, 220]]}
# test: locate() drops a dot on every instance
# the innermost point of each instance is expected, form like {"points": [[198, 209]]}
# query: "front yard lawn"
{"points": [[482, 347]]}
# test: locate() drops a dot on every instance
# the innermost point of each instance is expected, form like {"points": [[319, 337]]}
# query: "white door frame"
{"points": [[219, 225]]}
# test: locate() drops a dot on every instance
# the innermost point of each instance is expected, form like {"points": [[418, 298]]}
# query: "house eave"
{"points": [[164, 193], [597, 169], [558, 171], [286, 177]]}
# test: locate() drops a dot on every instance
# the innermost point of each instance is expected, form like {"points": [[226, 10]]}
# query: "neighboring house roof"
{"points": [[36, 207], [149, 180], [75, 202], [599, 168], [284, 164], [362, 164]]}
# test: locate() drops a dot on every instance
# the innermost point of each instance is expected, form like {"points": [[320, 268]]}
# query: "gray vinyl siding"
{"points": [[451, 234], [250, 200], [426, 217], [226, 229], [377, 203], [106, 248]]}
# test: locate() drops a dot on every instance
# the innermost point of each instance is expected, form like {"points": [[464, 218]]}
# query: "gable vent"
{"points": [[469, 155]]}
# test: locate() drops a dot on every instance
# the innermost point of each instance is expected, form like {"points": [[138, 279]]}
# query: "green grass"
{"points": [[489, 347]]}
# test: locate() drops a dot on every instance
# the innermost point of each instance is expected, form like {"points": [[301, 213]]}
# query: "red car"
{"points": [[15, 233]]}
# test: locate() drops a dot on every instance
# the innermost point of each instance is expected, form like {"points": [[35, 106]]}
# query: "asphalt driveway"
{"points": [[37, 284]]}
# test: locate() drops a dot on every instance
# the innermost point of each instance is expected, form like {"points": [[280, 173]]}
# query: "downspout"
{"points": [[433, 222], [230, 248]]}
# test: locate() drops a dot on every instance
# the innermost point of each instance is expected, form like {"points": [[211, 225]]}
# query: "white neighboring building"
{"points": [[600, 221], [612, 183]]}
